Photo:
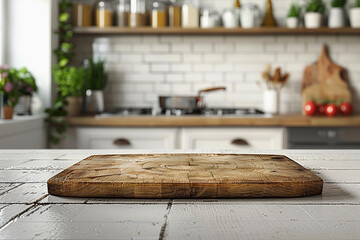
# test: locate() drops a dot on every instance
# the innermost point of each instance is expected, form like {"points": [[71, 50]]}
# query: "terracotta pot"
{"points": [[74, 106], [8, 112]]}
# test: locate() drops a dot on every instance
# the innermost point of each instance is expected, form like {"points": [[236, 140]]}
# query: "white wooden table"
{"points": [[28, 212]]}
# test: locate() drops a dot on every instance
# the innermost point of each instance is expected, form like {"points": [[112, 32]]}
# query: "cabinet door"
{"points": [[127, 138], [233, 138]]}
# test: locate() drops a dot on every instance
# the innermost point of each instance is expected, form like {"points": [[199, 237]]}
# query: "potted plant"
{"points": [[336, 15], [355, 15], [95, 83], [70, 82], [314, 13], [9, 88], [292, 20], [27, 86]]}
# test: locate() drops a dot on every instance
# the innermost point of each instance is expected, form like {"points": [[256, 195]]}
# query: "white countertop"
{"points": [[28, 212], [20, 124]]}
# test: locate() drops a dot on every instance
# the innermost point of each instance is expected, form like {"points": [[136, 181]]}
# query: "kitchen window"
{"points": [[2, 32]]}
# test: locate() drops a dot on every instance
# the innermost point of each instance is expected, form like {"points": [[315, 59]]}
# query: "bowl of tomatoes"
{"points": [[328, 109]]}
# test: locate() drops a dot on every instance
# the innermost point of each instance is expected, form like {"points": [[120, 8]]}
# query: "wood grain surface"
{"points": [[186, 176], [216, 31], [201, 121]]}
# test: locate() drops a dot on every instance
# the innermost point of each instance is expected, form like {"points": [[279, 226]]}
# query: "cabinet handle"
{"points": [[122, 142], [240, 142]]}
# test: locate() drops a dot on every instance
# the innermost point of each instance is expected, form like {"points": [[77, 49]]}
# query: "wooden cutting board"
{"points": [[186, 176]]}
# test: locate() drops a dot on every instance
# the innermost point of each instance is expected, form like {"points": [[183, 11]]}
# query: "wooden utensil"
{"points": [[186, 176]]}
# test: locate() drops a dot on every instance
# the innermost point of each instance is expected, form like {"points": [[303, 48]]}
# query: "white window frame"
{"points": [[2, 31]]}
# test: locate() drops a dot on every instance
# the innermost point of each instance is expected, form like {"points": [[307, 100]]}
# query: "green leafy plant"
{"points": [[96, 76], [357, 4], [64, 53], [9, 85], [70, 81], [294, 11], [338, 3], [27, 82], [315, 6]]}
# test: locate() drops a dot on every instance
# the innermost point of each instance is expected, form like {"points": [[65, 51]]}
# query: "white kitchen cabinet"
{"points": [[233, 138], [26, 132], [127, 138]]}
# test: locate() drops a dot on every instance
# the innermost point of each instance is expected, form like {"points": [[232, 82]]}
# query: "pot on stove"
{"points": [[191, 103]]}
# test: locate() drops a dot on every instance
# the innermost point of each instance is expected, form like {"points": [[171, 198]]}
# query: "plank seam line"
{"points": [[34, 205], [163, 227], [20, 184]]}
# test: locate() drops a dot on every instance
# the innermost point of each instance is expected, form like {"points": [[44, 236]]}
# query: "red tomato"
{"points": [[310, 108], [322, 109], [346, 108], [331, 110]]}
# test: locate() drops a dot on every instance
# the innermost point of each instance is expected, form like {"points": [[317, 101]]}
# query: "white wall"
{"points": [[29, 40], [2, 31]]}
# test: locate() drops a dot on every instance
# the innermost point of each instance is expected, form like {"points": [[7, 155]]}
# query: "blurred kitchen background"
{"points": [[135, 54]]}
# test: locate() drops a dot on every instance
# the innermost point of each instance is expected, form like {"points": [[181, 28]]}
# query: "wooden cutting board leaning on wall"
{"points": [[186, 176], [324, 82]]}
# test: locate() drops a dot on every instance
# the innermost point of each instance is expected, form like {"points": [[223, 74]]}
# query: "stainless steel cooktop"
{"points": [[214, 112]]}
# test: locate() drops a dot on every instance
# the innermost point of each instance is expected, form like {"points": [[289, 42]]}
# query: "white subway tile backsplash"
{"points": [[123, 47], [142, 67], [160, 67], [180, 48], [181, 67], [222, 47], [224, 67], [130, 58], [162, 58], [141, 48], [213, 77], [204, 67], [251, 58], [184, 88], [295, 48], [174, 77], [213, 58], [163, 47], [202, 47], [192, 58], [194, 77]]}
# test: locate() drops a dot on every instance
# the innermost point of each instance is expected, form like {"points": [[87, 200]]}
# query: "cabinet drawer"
{"points": [[233, 138], [126, 138]]}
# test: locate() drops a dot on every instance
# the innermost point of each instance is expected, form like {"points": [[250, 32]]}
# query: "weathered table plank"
{"points": [[23, 197]]}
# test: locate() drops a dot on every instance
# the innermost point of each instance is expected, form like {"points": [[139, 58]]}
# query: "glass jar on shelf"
{"points": [[209, 18], [174, 13], [190, 14], [159, 14], [104, 13], [138, 14], [83, 13], [122, 13]]}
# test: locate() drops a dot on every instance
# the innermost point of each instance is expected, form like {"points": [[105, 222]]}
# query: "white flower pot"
{"points": [[355, 17], [313, 20], [292, 22], [271, 101], [336, 18]]}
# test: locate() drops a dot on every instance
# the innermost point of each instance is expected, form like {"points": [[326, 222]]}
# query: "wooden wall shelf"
{"points": [[214, 31]]}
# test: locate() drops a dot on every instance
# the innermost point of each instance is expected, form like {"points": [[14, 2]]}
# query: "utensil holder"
{"points": [[271, 101]]}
